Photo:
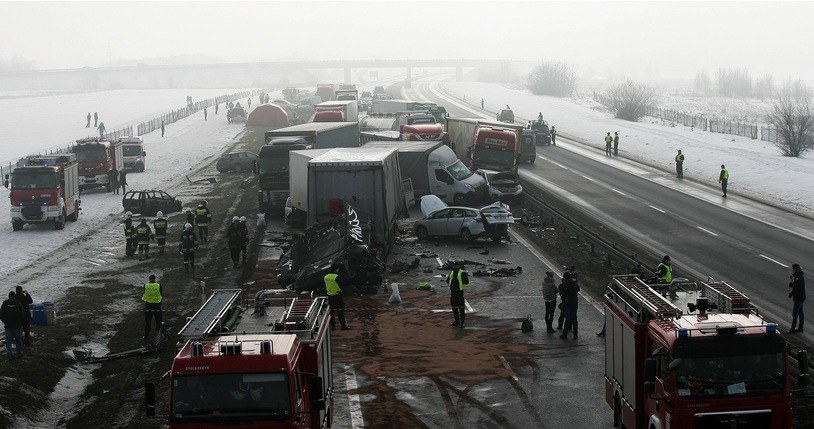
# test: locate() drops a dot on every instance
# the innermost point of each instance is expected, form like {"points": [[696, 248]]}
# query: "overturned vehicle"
{"points": [[343, 240]]}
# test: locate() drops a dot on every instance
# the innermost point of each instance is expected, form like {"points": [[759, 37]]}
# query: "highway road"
{"points": [[745, 243]]}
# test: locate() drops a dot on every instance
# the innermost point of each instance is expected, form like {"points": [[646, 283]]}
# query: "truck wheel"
{"points": [[17, 225], [421, 233], [109, 188], [466, 235], [73, 217], [458, 199], [59, 222]]}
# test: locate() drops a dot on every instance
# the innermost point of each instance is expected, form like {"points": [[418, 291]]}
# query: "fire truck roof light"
{"points": [[771, 328], [683, 333]]}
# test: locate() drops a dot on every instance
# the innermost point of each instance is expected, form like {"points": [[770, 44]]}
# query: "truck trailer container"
{"points": [[336, 111], [264, 364], [485, 144], [296, 210]]}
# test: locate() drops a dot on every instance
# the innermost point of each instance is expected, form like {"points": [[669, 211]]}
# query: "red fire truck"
{"points": [[96, 158], [719, 365], [268, 366], [44, 188]]}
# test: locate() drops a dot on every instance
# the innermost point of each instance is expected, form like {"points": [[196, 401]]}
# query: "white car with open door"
{"points": [[467, 223]]}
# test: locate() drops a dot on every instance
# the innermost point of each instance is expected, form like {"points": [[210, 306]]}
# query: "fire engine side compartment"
{"points": [[623, 376]]}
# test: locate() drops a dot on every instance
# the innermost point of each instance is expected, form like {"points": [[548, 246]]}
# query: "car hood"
{"points": [[431, 204], [504, 179]]}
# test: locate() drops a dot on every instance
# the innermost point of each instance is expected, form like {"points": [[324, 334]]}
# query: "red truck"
{"points": [[485, 144], [268, 366], [96, 158], [719, 365], [325, 91], [44, 188]]}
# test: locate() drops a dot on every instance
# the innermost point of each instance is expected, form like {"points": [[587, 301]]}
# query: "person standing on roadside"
{"points": [[25, 300], [11, 314], [458, 280], [234, 239], [245, 227], [203, 217], [569, 293], [553, 133], [679, 165], [216, 108], [723, 179], [123, 180], [608, 141], [95, 119], [187, 247], [162, 128], [113, 179], [88, 124], [481, 104], [160, 228], [152, 297], [334, 282], [550, 297], [616, 143], [798, 296], [205, 113], [664, 271]]}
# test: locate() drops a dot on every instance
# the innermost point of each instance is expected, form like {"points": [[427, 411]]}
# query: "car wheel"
{"points": [[421, 233], [458, 199], [466, 235], [16, 225]]}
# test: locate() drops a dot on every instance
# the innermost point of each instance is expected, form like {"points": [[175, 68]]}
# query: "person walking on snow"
{"points": [[204, 113], [88, 124], [616, 143], [162, 128], [160, 228], [723, 179], [25, 300], [679, 165], [95, 119], [458, 280], [798, 296], [11, 314], [553, 133], [608, 141], [550, 297], [187, 247]]}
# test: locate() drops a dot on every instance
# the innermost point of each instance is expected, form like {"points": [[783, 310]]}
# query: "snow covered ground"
{"points": [[38, 123], [756, 168], [186, 144]]}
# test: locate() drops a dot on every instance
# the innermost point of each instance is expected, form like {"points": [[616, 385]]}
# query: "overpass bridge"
{"points": [[261, 73]]}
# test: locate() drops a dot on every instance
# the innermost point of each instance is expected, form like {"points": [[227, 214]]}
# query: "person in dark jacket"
{"points": [[129, 235], [88, 124], [123, 180], [235, 238], [616, 143], [189, 217], [11, 313], [569, 293], [187, 247], [102, 130], [458, 280], [162, 128], [798, 296], [245, 227], [550, 297], [25, 300], [334, 282], [160, 228], [553, 133], [113, 179], [205, 114], [95, 119], [144, 235], [203, 217]]}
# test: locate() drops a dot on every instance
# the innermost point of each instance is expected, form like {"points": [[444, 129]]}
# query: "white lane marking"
{"points": [[707, 231], [469, 308], [587, 178], [357, 420], [775, 261], [657, 209], [617, 191], [557, 272], [506, 365], [560, 165]]}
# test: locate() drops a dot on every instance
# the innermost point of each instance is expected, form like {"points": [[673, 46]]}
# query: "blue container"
{"points": [[50, 312], [38, 317]]}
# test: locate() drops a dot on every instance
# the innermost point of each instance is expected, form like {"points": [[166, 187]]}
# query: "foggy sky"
{"points": [[669, 39]]}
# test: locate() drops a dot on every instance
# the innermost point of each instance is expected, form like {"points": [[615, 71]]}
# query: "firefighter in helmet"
{"points": [[144, 234], [187, 247], [203, 217], [245, 227], [129, 235], [160, 228]]}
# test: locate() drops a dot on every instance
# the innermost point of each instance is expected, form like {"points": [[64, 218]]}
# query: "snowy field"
{"points": [[756, 168], [37, 122], [187, 143]]}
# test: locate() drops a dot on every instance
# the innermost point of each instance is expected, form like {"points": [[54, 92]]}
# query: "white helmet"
{"points": [[128, 214], [187, 209], [159, 214], [243, 219], [235, 219], [188, 225]]}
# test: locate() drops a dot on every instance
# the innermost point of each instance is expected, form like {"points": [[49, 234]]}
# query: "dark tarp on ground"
{"points": [[268, 115]]}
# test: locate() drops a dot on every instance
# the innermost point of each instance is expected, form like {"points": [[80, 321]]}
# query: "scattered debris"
{"points": [[499, 261], [395, 297], [399, 266], [422, 285], [204, 180], [426, 254], [453, 262], [428, 270], [499, 272]]}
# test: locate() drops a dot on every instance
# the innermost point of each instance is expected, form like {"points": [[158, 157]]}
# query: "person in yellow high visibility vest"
{"points": [[608, 141], [333, 287], [664, 272], [458, 280], [723, 179], [152, 297]]}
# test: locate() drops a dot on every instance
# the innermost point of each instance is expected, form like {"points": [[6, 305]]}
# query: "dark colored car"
{"points": [[237, 162], [148, 203], [542, 135], [528, 152], [506, 115]]}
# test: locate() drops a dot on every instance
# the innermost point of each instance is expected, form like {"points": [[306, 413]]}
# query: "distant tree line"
{"points": [[629, 100], [553, 78], [16, 63], [734, 82]]}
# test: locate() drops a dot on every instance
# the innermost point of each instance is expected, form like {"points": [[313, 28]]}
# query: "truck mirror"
{"points": [[316, 388], [649, 370], [143, 153], [149, 394]]}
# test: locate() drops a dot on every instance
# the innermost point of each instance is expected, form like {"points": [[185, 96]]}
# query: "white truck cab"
{"points": [[451, 180], [133, 154]]}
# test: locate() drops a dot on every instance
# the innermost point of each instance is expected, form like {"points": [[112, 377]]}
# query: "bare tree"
{"points": [[701, 82], [793, 116], [630, 101], [734, 83], [764, 87], [553, 78]]}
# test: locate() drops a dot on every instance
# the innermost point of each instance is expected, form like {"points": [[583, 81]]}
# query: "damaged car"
{"points": [[149, 202], [503, 186], [466, 223]]}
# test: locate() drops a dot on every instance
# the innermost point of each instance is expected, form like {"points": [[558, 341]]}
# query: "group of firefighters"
{"points": [[139, 236]]}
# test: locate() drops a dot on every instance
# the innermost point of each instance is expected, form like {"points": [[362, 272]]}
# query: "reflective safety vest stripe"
{"points": [[202, 217], [152, 293], [461, 284], [668, 273], [160, 226], [331, 286]]}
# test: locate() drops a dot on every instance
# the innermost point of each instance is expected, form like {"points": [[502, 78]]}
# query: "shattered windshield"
{"points": [[459, 171]]}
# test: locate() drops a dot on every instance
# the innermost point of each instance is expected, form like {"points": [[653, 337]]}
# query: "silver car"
{"points": [[465, 222], [503, 186]]}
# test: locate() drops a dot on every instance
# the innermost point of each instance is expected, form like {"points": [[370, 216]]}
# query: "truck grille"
{"points": [[31, 212], [735, 420]]}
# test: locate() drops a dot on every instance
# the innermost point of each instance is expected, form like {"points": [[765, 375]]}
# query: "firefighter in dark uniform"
{"points": [[129, 235], [144, 234], [245, 227], [187, 247], [152, 297], [203, 218], [458, 280], [189, 216], [160, 228], [235, 239], [333, 287]]}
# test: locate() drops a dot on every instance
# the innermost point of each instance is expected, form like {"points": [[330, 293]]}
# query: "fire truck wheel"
{"points": [[59, 222], [17, 225], [73, 217]]}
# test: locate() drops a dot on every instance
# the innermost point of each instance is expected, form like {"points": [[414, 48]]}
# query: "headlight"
{"points": [[469, 186]]}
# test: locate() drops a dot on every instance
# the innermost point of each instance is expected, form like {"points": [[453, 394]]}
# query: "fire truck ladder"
{"points": [[727, 298], [303, 314], [637, 295], [209, 318]]}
